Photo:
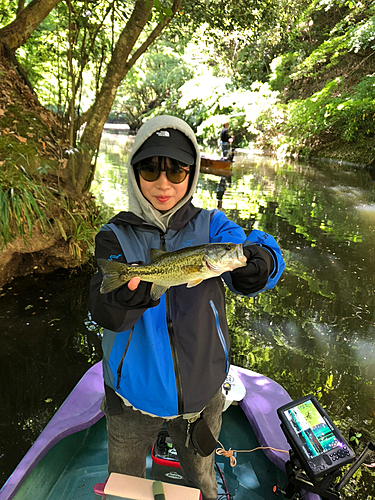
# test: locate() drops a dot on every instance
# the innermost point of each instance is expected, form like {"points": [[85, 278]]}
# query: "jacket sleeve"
{"points": [[224, 230], [107, 309], [248, 280]]}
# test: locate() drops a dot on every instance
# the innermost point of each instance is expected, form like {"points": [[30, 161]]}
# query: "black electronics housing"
{"points": [[313, 437]]}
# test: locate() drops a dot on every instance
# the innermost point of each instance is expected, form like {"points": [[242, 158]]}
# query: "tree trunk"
{"points": [[116, 71], [122, 60], [17, 32]]}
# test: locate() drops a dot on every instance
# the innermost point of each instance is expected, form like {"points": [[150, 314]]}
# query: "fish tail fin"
{"points": [[114, 275]]}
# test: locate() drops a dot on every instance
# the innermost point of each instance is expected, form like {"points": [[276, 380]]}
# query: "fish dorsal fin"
{"points": [[157, 291], [155, 253], [193, 283]]}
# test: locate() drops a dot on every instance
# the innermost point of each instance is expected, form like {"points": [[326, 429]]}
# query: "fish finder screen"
{"points": [[313, 431]]}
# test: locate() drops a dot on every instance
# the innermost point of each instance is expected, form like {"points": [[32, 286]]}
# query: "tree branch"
{"points": [[152, 37], [17, 32]]}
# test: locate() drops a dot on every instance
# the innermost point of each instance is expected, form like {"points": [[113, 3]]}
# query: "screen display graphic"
{"points": [[311, 428], [313, 437]]}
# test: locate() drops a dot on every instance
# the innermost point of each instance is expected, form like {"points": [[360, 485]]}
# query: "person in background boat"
{"points": [[225, 140], [164, 361]]}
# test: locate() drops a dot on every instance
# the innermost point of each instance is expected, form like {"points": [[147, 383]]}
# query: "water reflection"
{"points": [[313, 334]]}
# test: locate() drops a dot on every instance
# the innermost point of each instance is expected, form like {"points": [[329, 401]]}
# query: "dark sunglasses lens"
{"points": [[176, 176], [149, 173]]}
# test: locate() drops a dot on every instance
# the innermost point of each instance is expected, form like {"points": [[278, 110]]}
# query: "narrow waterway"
{"points": [[314, 333]]}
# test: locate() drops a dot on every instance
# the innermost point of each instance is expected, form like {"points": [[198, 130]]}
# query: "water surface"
{"points": [[314, 333]]}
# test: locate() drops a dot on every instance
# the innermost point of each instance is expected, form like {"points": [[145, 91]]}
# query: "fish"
{"points": [[188, 266]]}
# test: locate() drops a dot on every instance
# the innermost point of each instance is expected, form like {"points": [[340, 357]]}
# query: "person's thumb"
{"points": [[133, 283]]}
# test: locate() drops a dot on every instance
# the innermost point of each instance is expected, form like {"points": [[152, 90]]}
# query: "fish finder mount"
{"points": [[318, 451]]}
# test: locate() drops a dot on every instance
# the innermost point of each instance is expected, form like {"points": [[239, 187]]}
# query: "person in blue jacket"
{"points": [[164, 361]]}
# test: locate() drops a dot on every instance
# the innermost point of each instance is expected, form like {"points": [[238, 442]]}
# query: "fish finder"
{"points": [[313, 437]]}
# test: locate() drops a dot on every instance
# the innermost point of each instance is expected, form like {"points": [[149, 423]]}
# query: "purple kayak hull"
{"points": [[82, 409]]}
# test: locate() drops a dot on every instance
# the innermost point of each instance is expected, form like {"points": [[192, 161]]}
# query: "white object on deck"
{"points": [[233, 389], [136, 488]]}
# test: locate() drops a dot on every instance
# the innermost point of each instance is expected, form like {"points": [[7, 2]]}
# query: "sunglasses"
{"points": [[175, 174]]}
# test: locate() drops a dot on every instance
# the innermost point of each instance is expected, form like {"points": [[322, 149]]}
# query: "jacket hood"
{"points": [[137, 202]]}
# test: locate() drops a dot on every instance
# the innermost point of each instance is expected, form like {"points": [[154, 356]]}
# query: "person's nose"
{"points": [[162, 181]]}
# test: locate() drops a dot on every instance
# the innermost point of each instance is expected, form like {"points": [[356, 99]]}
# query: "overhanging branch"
{"points": [[153, 35]]}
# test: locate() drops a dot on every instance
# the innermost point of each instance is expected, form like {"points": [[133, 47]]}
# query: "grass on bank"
{"points": [[23, 204], [27, 203]]}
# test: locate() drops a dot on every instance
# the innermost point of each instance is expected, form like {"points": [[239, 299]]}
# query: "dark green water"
{"points": [[314, 333]]}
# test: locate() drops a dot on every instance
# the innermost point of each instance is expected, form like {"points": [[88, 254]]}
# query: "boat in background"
{"points": [[69, 458], [217, 166]]}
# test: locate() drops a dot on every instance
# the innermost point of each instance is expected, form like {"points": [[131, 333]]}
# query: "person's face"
{"points": [[163, 194]]}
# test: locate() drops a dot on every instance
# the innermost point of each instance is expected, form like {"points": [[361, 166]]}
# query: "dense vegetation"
{"points": [[304, 85], [294, 78]]}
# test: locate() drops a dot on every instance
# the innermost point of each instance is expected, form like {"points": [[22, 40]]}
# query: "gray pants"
{"points": [[131, 435]]}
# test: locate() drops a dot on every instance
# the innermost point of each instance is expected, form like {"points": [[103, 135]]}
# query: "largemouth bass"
{"points": [[189, 265]]}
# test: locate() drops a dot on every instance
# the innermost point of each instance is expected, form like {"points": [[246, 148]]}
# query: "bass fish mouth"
{"points": [[239, 254], [234, 258]]}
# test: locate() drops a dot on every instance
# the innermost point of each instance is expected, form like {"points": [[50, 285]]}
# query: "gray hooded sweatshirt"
{"points": [[138, 204]]}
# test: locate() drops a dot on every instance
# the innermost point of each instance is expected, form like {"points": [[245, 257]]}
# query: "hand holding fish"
{"points": [[254, 275], [186, 266], [133, 283]]}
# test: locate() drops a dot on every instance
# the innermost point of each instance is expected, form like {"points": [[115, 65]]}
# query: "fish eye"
{"points": [[228, 247]]}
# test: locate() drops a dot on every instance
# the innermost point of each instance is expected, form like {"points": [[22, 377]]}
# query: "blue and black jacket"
{"points": [[170, 359]]}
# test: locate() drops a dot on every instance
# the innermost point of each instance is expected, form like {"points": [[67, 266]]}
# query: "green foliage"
{"points": [[316, 62], [153, 83], [347, 115], [8, 9], [28, 204], [200, 97], [83, 222], [23, 204], [362, 35], [356, 438], [281, 68], [66, 57], [209, 101], [359, 36]]}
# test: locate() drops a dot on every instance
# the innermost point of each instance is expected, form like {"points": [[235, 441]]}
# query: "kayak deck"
{"points": [[73, 466]]}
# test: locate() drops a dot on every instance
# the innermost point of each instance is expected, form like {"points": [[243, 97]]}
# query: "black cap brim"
{"points": [[170, 143]]}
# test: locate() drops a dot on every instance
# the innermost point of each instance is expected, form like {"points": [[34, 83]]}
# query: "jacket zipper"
{"points": [[172, 342], [119, 368], [221, 335]]}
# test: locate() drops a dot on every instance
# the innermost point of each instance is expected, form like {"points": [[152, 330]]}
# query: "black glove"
{"points": [[138, 298], [254, 276]]}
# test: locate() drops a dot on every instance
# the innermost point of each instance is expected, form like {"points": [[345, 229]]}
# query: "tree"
{"points": [[133, 40], [116, 72], [152, 84], [138, 24]]}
